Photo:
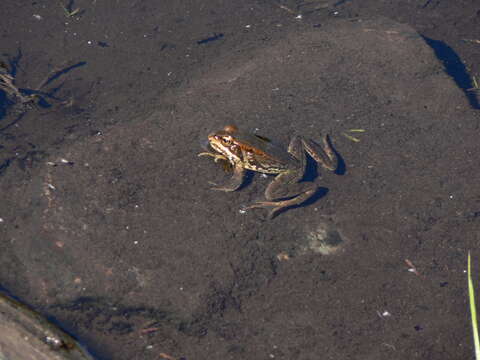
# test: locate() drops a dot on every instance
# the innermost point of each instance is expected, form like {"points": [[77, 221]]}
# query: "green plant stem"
{"points": [[473, 311]]}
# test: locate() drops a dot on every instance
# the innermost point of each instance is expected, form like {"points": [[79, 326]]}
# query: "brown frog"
{"points": [[247, 151]]}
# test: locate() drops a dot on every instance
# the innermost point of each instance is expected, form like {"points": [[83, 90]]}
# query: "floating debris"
{"points": [[353, 138], [350, 137]]}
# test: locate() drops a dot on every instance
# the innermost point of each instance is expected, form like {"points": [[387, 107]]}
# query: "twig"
{"points": [[353, 138], [475, 41], [473, 309], [149, 330], [68, 9], [7, 84], [166, 356], [475, 85], [350, 137], [287, 9], [412, 268]]}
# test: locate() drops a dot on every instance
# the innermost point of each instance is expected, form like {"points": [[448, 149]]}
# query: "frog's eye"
{"points": [[227, 140]]}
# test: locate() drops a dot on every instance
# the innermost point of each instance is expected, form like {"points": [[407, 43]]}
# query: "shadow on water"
{"points": [[247, 180], [4, 104], [63, 71], [13, 62], [320, 193], [311, 169], [455, 68], [21, 99], [12, 66], [100, 315], [27, 322], [341, 166]]}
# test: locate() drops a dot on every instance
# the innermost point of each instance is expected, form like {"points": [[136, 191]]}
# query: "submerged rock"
{"points": [[27, 335]]}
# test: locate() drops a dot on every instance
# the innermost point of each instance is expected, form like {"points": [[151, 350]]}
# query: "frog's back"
{"points": [[262, 155]]}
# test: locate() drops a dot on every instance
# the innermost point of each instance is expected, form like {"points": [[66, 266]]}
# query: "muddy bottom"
{"points": [[111, 229]]}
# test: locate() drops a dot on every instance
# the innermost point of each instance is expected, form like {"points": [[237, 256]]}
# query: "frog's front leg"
{"points": [[216, 157], [235, 181]]}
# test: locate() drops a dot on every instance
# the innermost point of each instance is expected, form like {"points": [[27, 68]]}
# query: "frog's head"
{"points": [[224, 142]]}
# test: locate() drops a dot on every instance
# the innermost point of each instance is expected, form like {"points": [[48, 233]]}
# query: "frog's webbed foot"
{"points": [[235, 181]]}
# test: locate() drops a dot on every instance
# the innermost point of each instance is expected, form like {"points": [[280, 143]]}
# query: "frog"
{"points": [[244, 151]]}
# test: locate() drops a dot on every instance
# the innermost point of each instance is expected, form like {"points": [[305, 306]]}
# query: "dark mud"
{"points": [[109, 226]]}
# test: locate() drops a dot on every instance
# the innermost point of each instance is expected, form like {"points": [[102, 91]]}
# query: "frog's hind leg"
{"points": [[235, 181], [324, 155], [285, 186]]}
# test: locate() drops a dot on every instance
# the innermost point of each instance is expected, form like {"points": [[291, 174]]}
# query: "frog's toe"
{"points": [[219, 187], [265, 204], [204, 154], [216, 157], [223, 188], [282, 204], [262, 204]]}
